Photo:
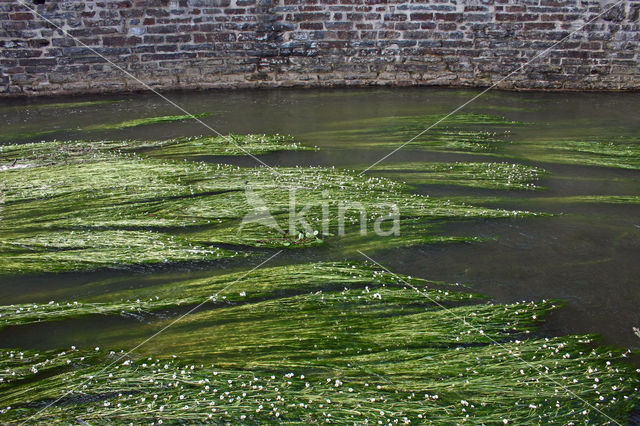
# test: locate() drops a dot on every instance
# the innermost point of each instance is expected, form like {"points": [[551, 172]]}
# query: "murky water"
{"points": [[586, 254]]}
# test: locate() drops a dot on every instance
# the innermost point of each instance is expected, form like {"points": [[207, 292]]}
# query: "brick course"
{"points": [[199, 44]]}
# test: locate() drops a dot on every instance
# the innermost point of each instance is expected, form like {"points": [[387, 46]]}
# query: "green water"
{"points": [[578, 159]]}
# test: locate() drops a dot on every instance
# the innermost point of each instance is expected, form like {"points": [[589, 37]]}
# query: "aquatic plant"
{"points": [[459, 119], [347, 343], [90, 189], [12, 137], [61, 105], [69, 250], [434, 140], [195, 147], [535, 201], [143, 122], [595, 199], [460, 132], [475, 175], [481, 133], [56, 152], [603, 152], [261, 284]]}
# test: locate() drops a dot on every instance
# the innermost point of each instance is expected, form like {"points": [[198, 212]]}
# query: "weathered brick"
{"points": [[421, 16], [120, 41], [21, 16], [205, 43]]}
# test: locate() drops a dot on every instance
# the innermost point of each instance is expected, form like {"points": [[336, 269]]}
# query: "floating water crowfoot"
{"points": [[90, 249], [103, 127], [196, 147], [262, 283], [62, 105], [87, 194], [622, 152], [63, 152], [143, 122], [457, 135], [475, 175], [359, 348]]}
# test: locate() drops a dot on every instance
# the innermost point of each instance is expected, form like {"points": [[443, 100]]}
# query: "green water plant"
{"points": [[62, 152], [475, 175], [61, 105], [338, 342], [602, 152], [194, 148], [41, 134], [460, 132], [143, 122], [264, 283], [423, 121], [65, 208], [541, 201]]}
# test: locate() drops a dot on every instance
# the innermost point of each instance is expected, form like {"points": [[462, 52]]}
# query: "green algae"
{"points": [[474, 175], [92, 189], [354, 344]]}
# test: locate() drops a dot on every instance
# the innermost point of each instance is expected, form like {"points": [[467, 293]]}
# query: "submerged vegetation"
{"points": [[481, 134], [322, 342], [143, 122], [343, 342], [61, 105], [423, 121], [475, 175], [620, 153], [543, 203], [259, 285], [12, 137], [460, 132], [61, 152], [195, 147], [75, 206]]}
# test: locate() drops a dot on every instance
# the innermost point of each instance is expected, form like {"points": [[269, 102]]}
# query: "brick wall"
{"points": [[257, 43]]}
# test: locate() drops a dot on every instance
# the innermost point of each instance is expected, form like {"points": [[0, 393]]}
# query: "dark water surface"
{"points": [[587, 254]]}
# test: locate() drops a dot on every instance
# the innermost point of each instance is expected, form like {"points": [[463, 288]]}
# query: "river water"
{"points": [[586, 254]]}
